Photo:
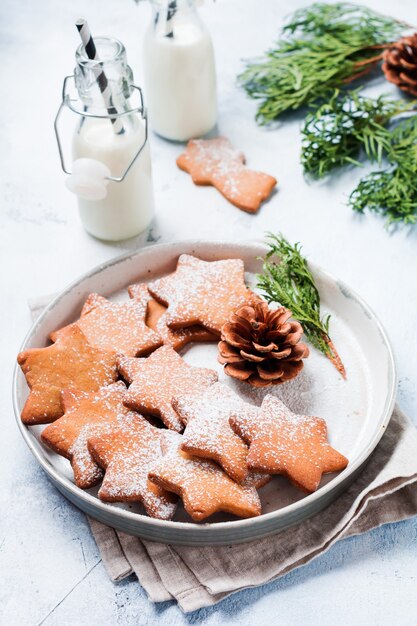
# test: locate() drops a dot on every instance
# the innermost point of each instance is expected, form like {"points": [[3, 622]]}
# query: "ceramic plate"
{"points": [[357, 410]]}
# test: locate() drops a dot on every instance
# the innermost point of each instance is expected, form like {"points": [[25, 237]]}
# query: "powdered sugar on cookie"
{"points": [[281, 442], [126, 456], [86, 414], [208, 433], [201, 292], [202, 485], [70, 363], [116, 326], [155, 380], [156, 319], [215, 162]]}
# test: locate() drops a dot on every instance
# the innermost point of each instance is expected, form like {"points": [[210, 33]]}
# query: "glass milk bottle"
{"points": [[180, 75], [111, 168]]}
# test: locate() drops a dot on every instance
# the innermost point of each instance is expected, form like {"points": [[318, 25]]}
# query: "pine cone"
{"points": [[400, 64], [260, 346]]}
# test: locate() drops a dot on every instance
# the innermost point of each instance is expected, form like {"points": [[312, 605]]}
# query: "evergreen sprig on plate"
{"points": [[322, 47], [287, 280]]}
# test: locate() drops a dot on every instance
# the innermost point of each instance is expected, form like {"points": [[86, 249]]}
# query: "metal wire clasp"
{"points": [[69, 101]]}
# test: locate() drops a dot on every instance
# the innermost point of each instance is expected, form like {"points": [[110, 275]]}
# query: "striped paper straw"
{"points": [[103, 83], [167, 11]]}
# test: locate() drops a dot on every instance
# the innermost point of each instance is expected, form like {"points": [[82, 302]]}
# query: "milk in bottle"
{"points": [[180, 75], [103, 149]]}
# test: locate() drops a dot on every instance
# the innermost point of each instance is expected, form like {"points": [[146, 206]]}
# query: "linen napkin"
{"points": [[385, 491]]}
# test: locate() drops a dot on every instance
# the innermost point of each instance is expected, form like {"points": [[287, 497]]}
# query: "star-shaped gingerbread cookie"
{"points": [[202, 485], [126, 456], [215, 162], [70, 363], [201, 292], [156, 319], [86, 414], [281, 442], [208, 433], [155, 380], [116, 326]]}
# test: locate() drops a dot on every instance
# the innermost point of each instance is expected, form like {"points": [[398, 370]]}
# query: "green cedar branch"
{"points": [[337, 131], [323, 46], [393, 192], [288, 281]]}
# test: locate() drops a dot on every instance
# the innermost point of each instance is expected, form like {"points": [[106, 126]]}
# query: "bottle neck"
{"points": [[104, 84], [170, 15]]}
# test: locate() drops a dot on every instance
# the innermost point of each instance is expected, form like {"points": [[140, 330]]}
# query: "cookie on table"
{"points": [[201, 292], [126, 456], [156, 319], [215, 162], [155, 380], [86, 414], [201, 484], [208, 433], [70, 363], [281, 442], [116, 326]]}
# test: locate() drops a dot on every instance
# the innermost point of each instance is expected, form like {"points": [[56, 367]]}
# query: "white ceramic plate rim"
{"points": [[237, 524]]}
